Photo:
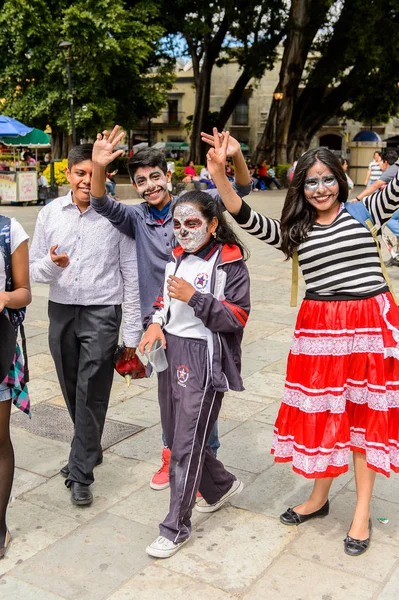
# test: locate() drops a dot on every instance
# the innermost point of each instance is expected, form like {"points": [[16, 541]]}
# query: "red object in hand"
{"points": [[130, 369]]}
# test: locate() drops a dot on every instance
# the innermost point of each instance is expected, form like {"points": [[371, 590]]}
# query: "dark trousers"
{"points": [[82, 343], [189, 410]]}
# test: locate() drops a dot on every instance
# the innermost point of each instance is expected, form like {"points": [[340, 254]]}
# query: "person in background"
{"points": [[206, 178], [388, 170], [189, 169], [42, 185], [272, 175], [262, 175], [345, 165], [374, 170], [110, 183]]}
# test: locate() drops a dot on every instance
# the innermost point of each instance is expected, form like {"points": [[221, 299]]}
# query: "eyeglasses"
{"points": [[313, 183]]}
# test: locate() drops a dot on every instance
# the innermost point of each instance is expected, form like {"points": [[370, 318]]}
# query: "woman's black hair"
{"points": [[210, 208], [298, 216]]}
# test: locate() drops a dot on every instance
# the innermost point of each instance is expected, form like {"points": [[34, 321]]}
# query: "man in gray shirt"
{"points": [[389, 170], [91, 269]]}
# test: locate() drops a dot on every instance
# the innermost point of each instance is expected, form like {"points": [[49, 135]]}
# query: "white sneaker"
{"points": [[204, 507], [164, 548]]}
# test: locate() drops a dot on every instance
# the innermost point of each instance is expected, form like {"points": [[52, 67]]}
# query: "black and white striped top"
{"points": [[339, 261]]}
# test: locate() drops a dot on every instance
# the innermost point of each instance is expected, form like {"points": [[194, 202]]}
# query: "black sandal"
{"points": [[355, 547]]}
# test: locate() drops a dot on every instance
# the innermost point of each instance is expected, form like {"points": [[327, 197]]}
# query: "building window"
{"points": [[173, 112], [240, 114]]}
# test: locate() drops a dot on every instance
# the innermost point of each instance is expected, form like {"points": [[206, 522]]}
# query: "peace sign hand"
{"points": [[233, 146], [104, 147], [216, 157]]}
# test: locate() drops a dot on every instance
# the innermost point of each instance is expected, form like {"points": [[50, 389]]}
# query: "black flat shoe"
{"points": [[357, 547], [65, 469], [81, 494], [290, 517]]}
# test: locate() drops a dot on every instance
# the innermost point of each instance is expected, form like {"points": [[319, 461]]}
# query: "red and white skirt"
{"points": [[342, 388]]}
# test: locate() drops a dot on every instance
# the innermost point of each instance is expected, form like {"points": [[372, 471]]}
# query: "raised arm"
{"points": [[104, 153], [216, 159], [233, 149]]}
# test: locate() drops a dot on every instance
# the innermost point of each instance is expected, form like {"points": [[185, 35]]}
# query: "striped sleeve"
{"points": [[264, 228], [383, 203]]}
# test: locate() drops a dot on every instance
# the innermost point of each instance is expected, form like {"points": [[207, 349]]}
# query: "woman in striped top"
{"points": [[342, 385]]}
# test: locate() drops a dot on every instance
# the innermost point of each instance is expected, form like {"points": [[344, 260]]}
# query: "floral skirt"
{"points": [[342, 388]]}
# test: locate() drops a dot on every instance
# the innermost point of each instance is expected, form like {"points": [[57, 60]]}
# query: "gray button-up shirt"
{"points": [[103, 265]]}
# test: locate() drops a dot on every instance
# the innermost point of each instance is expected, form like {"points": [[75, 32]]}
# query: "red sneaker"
{"points": [[160, 480]]}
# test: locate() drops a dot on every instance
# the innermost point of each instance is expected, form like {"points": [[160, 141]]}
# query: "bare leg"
{"points": [[364, 478], [6, 465], [317, 498]]}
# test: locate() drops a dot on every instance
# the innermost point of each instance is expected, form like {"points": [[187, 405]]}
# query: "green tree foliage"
{"points": [[118, 75], [339, 58], [214, 32]]}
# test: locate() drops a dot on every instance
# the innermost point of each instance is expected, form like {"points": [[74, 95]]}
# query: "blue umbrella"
{"points": [[12, 127]]}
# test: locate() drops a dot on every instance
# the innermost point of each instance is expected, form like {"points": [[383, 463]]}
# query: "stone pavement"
{"points": [[60, 551]]}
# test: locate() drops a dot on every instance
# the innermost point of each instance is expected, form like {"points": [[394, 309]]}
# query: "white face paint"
{"points": [[190, 228]]}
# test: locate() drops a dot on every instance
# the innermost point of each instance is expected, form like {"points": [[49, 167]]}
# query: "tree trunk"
{"points": [[201, 114], [306, 16], [232, 100]]}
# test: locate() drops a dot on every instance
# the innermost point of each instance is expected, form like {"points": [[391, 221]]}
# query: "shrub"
{"points": [[59, 172]]}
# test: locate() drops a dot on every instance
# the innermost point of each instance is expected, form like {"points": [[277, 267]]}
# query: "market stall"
{"points": [[18, 178]]}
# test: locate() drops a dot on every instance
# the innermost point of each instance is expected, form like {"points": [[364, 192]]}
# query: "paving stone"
{"points": [[237, 408], [120, 392], [25, 481], [278, 487], [145, 445], [41, 390], [40, 364], [13, 589], [280, 367], [321, 540], [263, 384], [136, 410], [33, 528], [94, 562], [293, 578], [39, 323], [247, 447], [115, 479], [268, 414], [147, 584], [257, 330], [391, 590], [37, 454], [385, 488], [229, 549]]}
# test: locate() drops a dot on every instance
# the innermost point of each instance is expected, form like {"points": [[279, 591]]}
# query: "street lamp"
{"points": [[278, 96], [66, 49]]}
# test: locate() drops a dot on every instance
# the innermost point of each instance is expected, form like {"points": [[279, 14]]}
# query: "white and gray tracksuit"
{"points": [[204, 360]]}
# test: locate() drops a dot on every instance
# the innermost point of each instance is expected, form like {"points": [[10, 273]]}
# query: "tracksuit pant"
{"points": [[82, 342], [189, 409]]}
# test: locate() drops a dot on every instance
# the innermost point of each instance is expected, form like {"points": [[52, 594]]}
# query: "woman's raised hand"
{"points": [[216, 156], [233, 146], [104, 147]]}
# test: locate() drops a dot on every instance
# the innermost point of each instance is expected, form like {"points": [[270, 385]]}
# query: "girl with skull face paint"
{"points": [[199, 317], [342, 386]]}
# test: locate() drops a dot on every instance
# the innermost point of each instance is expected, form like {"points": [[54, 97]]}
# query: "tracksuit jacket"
{"points": [[224, 312]]}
